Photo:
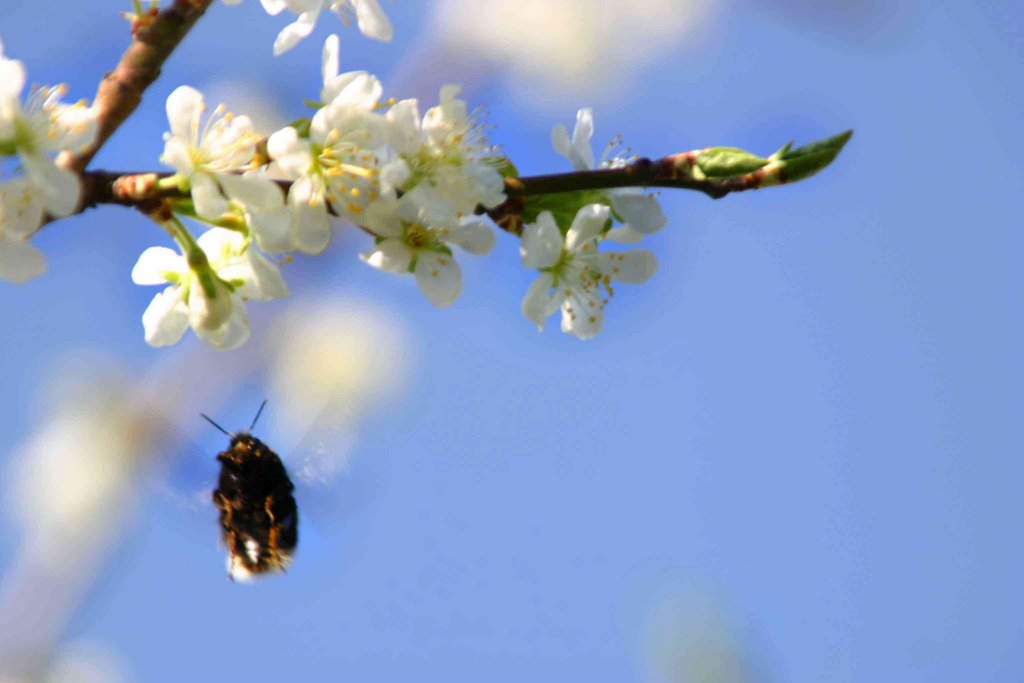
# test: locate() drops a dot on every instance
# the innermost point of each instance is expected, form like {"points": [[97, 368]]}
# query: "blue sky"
{"points": [[810, 417]]}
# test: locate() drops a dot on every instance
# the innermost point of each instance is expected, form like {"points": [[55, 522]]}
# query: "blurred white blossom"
{"points": [[72, 476], [369, 16], [688, 639], [84, 662], [330, 363], [548, 49], [574, 275], [69, 487]]}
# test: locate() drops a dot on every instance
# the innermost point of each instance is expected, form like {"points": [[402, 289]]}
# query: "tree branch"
{"points": [[714, 171], [154, 37]]}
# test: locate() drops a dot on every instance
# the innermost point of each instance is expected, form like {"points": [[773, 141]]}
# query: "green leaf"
{"points": [[807, 160], [563, 205]]}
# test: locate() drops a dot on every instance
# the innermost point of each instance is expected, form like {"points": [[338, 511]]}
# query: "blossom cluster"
{"points": [[32, 132], [420, 184]]}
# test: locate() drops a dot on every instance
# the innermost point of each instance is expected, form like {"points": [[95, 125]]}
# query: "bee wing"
{"points": [[331, 485]]}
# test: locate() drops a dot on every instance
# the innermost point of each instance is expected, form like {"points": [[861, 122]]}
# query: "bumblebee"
{"points": [[259, 519]]}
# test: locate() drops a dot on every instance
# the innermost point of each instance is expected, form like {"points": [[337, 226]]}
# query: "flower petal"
{"points": [[541, 244], [166, 318], [59, 188], [624, 234], [475, 234], [312, 227], [381, 217], [540, 300], [12, 78], [252, 191], [272, 229], [155, 263], [220, 244], [639, 209], [439, 278], [273, 7], [74, 128], [329, 59], [208, 313], [588, 224], [292, 153], [560, 140], [354, 89], [582, 154], [293, 33], [184, 107], [19, 260], [393, 175], [582, 316], [207, 197], [21, 208], [264, 280], [233, 333], [631, 267], [391, 255], [372, 21], [178, 155], [404, 118]]}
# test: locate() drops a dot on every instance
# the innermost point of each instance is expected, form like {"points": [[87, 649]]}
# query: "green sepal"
{"points": [[313, 104], [184, 207], [302, 126], [506, 168], [200, 266], [725, 162], [782, 150]]}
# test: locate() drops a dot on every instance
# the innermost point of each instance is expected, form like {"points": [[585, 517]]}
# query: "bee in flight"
{"points": [[259, 520]]}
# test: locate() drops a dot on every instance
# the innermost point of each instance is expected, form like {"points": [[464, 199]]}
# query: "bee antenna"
{"points": [[258, 413], [210, 420]]}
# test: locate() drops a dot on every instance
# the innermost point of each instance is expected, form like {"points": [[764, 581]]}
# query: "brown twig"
{"points": [[715, 171], [135, 189], [154, 38]]}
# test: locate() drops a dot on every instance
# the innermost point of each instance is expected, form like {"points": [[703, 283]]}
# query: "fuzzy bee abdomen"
{"points": [[258, 516]]}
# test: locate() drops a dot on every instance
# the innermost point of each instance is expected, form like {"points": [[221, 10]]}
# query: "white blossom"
{"points": [[38, 129], [337, 166], [411, 238], [445, 153], [371, 19], [637, 208], [574, 275], [210, 159], [215, 311]]}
